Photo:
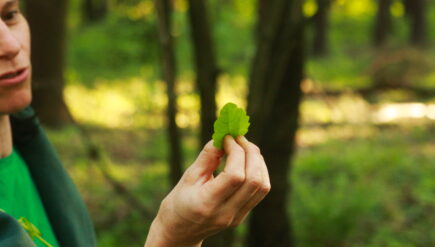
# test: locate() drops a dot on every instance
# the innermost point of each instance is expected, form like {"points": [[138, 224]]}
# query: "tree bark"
{"points": [[321, 28], [207, 72], [273, 104], [206, 68], [47, 20], [166, 39], [383, 23], [416, 12]]}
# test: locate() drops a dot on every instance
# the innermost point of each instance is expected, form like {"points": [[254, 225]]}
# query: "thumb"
{"points": [[208, 160]]}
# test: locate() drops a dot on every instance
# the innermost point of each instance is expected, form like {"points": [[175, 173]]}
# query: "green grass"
{"points": [[375, 190]]}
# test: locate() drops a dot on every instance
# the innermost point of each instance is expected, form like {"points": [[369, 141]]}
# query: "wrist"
{"points": [[159, 236]]}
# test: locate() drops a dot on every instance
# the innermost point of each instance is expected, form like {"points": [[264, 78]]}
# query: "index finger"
{"points": [[233, 175]]}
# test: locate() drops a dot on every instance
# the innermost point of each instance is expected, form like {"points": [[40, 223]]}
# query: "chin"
{"points": [[16, 102]]}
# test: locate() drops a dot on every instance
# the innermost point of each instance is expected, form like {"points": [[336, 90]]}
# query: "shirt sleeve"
{"points": [[12, 234]]}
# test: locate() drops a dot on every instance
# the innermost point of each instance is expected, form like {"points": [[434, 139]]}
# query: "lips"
{"points": [[14, 77], [10, 75]]}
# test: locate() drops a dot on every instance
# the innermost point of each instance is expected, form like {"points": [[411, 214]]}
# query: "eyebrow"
{"points": [[10, 3]]}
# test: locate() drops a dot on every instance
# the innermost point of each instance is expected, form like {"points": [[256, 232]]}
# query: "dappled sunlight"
{"points": [[353, 109], [135, 103], [397, 9], [348, 108], [118, 104], [350, 116], [141, 10], [100, 106], [355, 8], [317, 135], [400, 111], [309, 8], [231, 89], [246, 12]]}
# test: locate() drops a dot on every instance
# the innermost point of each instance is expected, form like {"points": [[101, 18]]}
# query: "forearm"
{"points": [[158, 237]]}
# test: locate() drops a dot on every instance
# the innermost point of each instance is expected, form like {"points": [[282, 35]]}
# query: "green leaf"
{"points": [[33, 231], [232, 121]]}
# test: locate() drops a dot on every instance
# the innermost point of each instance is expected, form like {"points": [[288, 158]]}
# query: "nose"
{"points": [[9, 45]]}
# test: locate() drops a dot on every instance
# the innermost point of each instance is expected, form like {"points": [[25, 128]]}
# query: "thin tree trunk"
{"points": [[273, 104], [169, 74], [206, 68], [47, 20], [207, 72], [94, 10], [416, 11], [321, 28], [383, 23]]}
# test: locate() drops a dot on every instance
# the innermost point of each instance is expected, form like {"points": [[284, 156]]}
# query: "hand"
{"points": [[201, 205]]}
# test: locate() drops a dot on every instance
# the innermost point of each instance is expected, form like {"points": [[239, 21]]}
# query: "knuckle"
{"points": [[202, 212], [254, 148], [235, 179], [224, 221], [255, 183], [265, 188]]}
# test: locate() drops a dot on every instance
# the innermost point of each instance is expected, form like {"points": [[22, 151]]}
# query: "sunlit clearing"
{"points": [[317, 135], [392, 112], [352, 109], [431, 111], [345, 109], [123, 104]]}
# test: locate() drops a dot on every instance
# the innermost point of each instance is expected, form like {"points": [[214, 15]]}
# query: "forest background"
{"points": [[345, 89]]}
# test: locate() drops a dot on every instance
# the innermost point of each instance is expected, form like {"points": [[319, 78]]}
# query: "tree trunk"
{"points": [[206, 68], [416, 12], [321, 26], [94, 10], [164, 11], [273, 104], [383, 23], [47, 20], [207, 72]]}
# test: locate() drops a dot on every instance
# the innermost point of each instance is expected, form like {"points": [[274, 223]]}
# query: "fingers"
{"points": [[208, 161], [233, 175], [256, 184]]}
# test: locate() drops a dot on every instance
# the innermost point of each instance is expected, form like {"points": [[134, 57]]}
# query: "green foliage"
{"points": [[358, 191], [371, 191], [374, 189], [110, 50], [232, 121]]}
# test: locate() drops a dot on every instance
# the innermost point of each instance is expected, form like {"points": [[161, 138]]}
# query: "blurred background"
{"points": [[341, 95]]}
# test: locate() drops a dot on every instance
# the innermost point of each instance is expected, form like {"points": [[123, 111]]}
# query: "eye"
{"points": [[11, 16]]}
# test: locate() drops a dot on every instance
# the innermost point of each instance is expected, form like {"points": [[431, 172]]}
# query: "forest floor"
{"points": [[363, 174]]}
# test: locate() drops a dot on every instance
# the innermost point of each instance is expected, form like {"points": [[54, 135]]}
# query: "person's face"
{"points": [[15, 68]]}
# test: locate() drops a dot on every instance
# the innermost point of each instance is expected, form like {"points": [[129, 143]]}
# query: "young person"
{"points": [[34, 185]]}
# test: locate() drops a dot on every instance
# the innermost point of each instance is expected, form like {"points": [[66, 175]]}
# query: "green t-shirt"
{"points": [[19, 197]]}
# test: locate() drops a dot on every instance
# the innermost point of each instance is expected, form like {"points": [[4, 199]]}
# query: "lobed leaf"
{"points": [[232, 121]]}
